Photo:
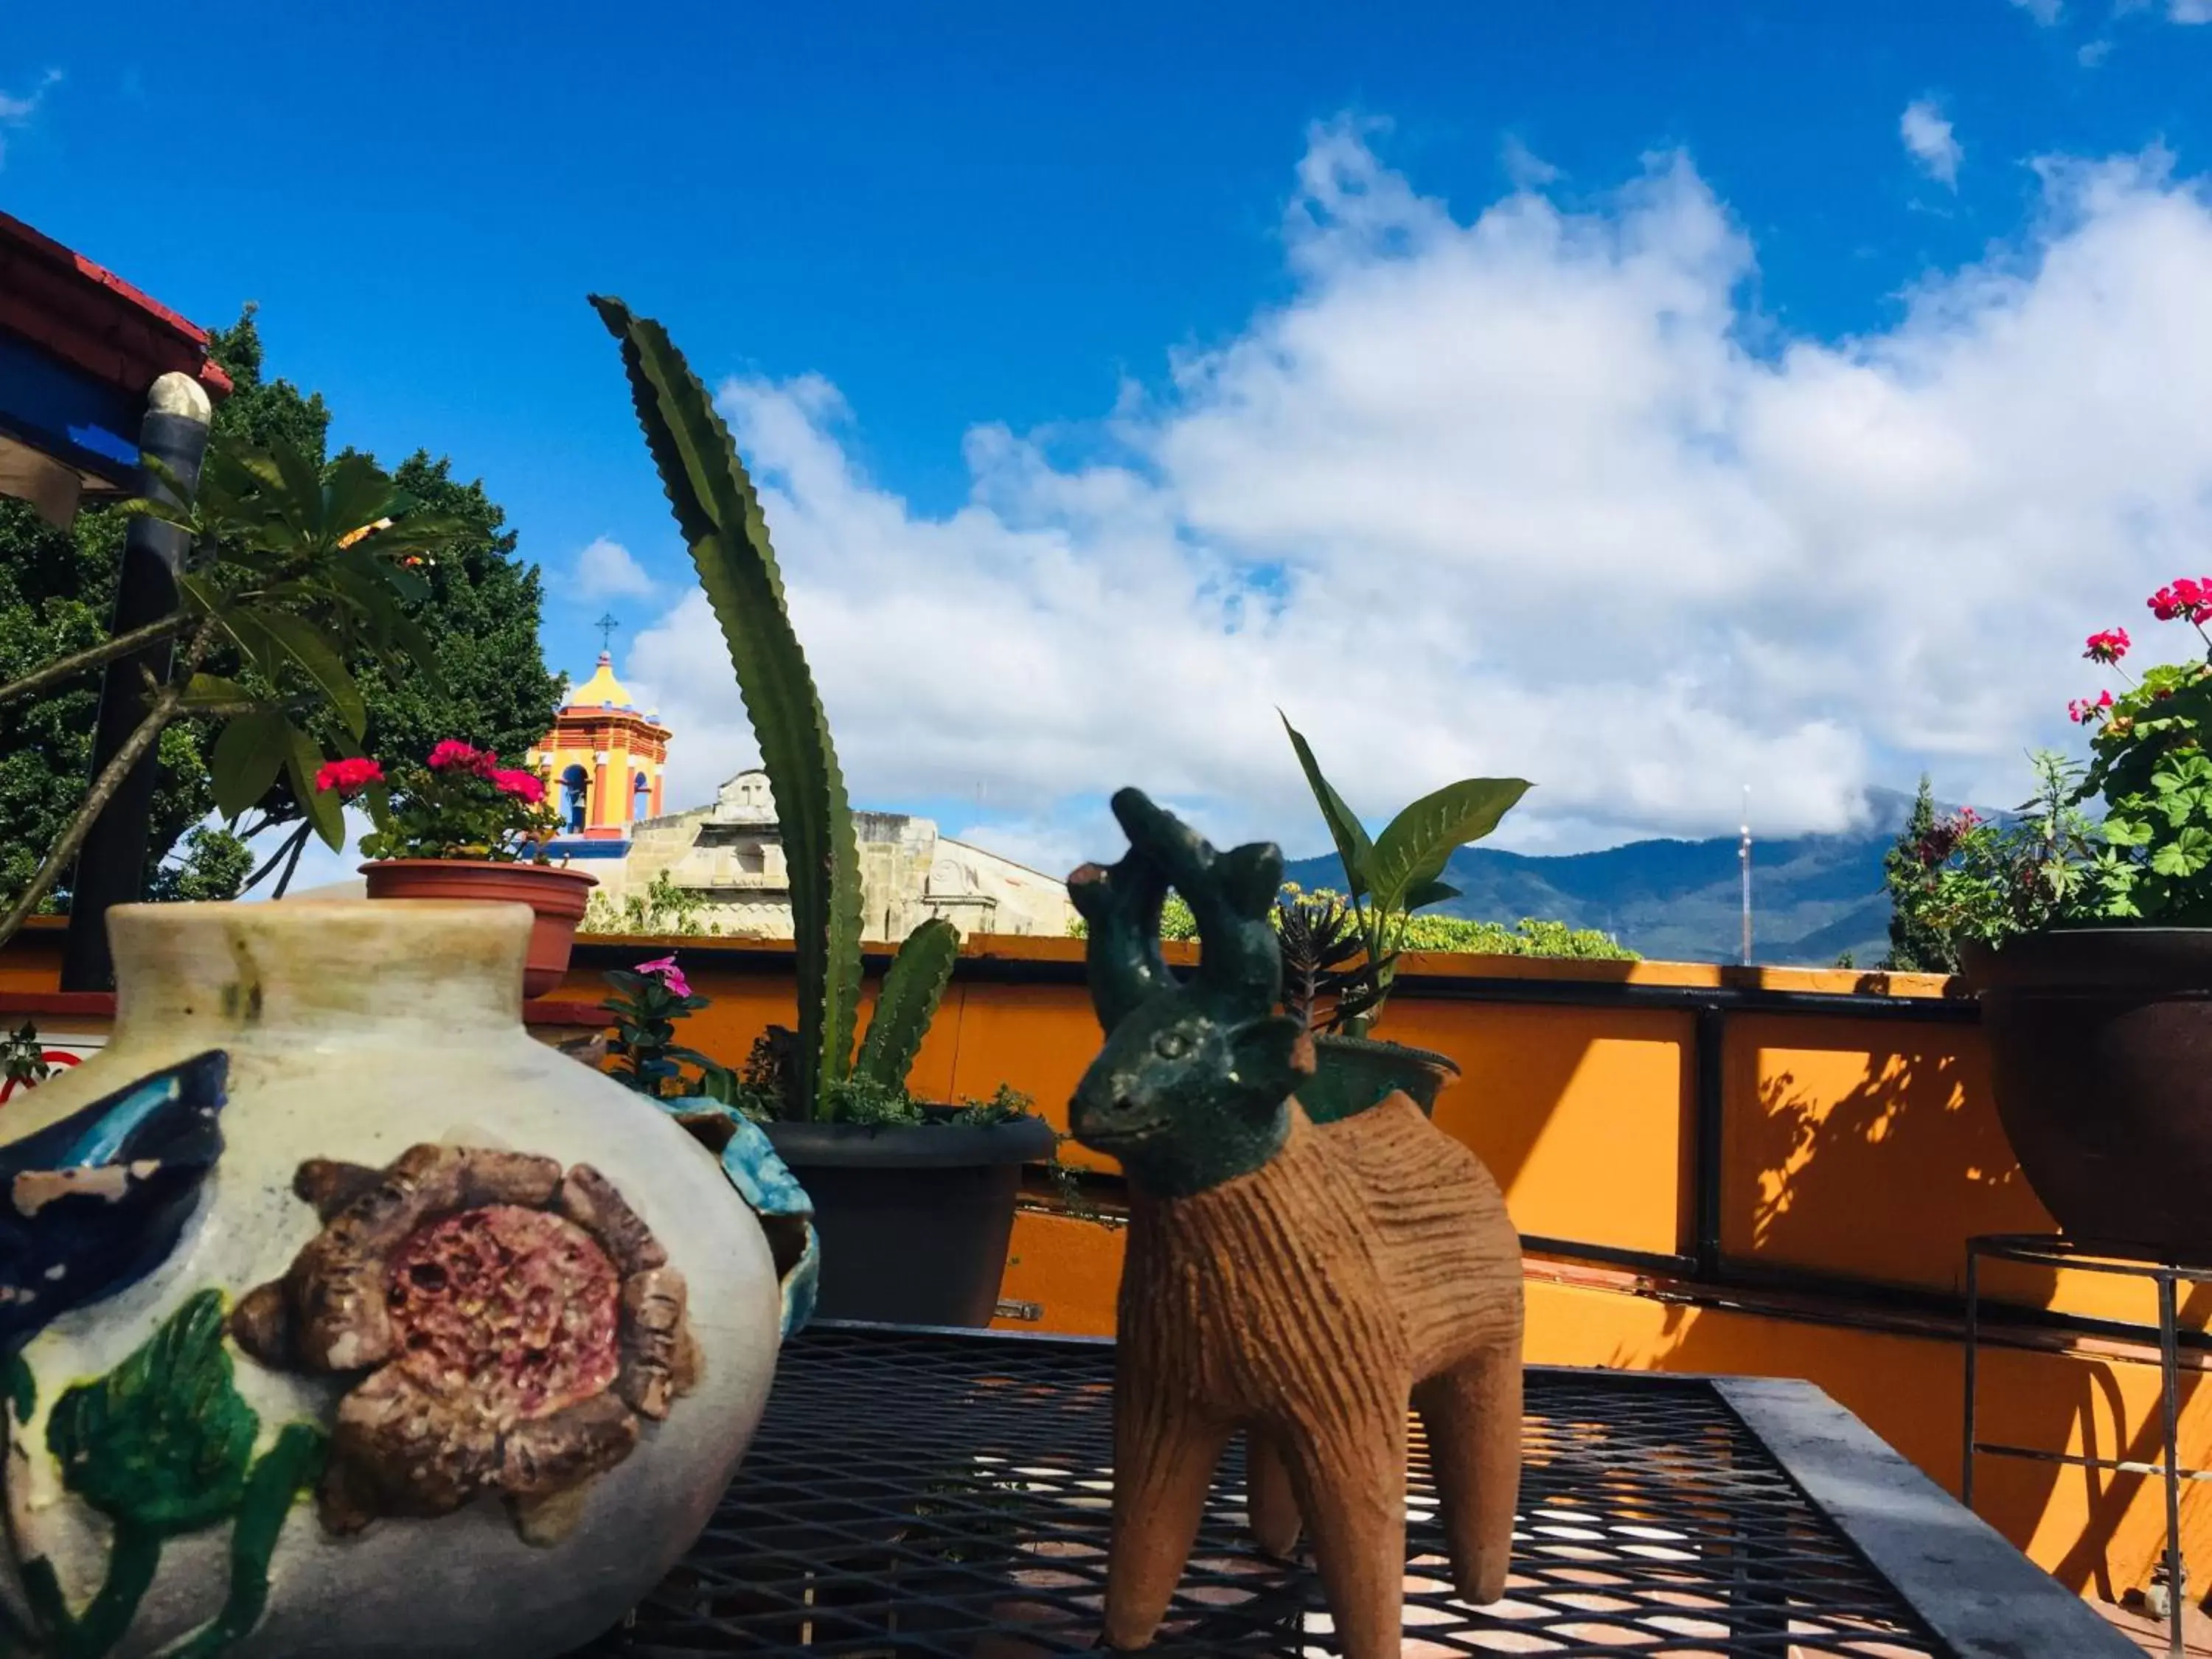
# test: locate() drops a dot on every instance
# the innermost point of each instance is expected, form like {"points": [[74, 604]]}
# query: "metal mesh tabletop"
{"points": [[931, 1493]]}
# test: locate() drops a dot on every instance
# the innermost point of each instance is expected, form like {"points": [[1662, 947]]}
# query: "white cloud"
{"points": [[1523, 166], [606, 570], [1933, 144], [1534, 495], [16, 111], [2044, 12], [2190, 11], [2093, 55]]}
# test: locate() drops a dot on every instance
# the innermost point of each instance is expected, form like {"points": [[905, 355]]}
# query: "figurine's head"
{"points": [[1192, 1086]]}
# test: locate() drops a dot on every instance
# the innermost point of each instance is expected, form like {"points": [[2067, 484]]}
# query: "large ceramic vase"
{"points": [[349, 1320], [915, 1221], [1353, 1073], [556, 895], [2100, 1057]]}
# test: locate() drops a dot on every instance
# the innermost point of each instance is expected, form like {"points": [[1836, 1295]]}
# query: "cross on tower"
{"points": [[606, 625]]}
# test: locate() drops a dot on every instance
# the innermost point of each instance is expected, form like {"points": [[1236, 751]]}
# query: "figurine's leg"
{"points": [[1269, 1501], [1350, 1478], [1473, 1416], [1163, 1457]]}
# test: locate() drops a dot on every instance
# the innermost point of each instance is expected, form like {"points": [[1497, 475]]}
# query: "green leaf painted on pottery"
{"points": [[22, 1389], [162, 1443], [286, 1471]]}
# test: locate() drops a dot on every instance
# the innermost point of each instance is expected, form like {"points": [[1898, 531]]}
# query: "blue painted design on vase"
{"points": [[768, 1187], [92, 1204]]}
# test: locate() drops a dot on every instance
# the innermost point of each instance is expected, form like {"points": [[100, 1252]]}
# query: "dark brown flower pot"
{"points": [[555, 894], [2100, 1052], [914, 1221], [1353, 1073]]}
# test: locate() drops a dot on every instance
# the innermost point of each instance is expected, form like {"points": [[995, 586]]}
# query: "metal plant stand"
{"points": [[946, 1493], [2055, 1251]]}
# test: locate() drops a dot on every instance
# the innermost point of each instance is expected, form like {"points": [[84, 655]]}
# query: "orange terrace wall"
{"points": [[1767, 1170]]}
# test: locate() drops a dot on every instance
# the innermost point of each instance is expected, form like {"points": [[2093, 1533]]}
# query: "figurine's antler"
{"points": [[1229, 894], [1121, 906]]}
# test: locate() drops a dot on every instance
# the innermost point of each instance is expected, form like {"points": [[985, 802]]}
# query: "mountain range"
{"points": [[1812, 898]]}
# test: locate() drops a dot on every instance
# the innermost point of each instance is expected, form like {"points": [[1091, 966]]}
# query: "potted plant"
{"points": [[2089, 944], [1346, 953], [914, 1201], [462, 826]]}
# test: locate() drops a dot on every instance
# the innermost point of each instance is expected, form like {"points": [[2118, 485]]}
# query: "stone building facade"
{"points": [[730, 855], [604, 763]]}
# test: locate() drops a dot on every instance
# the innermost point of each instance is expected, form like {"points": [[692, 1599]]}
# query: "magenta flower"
{"points": [[2108, 646], [453, 755], [348, 777], [665, 969], [523, 786]]}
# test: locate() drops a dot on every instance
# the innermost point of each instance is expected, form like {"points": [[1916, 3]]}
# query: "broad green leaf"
{"points": [[299, 498], [719, 514], [912, 990], [247, 758], [204, 690], [1413, 852], [1431, 892], [163, 1442], [357, 495], [146, 507], [1344, 826], [324, 808], [305, 645]]}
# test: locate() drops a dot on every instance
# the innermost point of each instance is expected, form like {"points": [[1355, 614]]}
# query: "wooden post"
{"points": [[111, 870]]}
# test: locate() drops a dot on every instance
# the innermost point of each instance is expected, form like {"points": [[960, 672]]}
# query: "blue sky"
{"points": [[1019, 306]]}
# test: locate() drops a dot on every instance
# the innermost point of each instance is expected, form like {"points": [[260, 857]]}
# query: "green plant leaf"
{"points": [[247, 755], [1413, 852], [163, 1442], [324, 808], [1432, 892], [1344, 828], [719, 517], [203, 690], [912, 987], [286, 1471], [304, 643]]}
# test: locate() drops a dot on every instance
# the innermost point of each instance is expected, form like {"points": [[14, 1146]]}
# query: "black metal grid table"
{"points": [[943, 1493]]}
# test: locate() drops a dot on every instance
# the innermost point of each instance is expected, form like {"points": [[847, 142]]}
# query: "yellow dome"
{"points": [[603, 689]]}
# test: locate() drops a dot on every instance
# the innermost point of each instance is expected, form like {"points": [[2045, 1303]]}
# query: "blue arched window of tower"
{"points": [[640, 793], [575, 790]]}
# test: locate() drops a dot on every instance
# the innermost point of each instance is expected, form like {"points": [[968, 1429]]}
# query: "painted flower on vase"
{"points": [[507, 1325]]}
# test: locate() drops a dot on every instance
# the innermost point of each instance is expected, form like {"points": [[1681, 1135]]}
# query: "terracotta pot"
{"points": [[2100, 1051], [555, 894], [319, 1154], [1353, 1073], [914, 1221]]}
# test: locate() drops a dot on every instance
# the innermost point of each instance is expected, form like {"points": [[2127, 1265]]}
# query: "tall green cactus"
{"points": [[912, 990], [719, 516]]}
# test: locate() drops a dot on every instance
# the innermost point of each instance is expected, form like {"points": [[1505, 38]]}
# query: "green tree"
{"points": [[56, 590], [1917, 945]]}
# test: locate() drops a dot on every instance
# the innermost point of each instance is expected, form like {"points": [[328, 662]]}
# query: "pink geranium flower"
{"points": [[348, 777], [523, 786], [454, 756]]}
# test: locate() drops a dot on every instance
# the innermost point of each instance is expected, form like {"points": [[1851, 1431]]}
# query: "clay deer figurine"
{"points": [[1302, 1284]]}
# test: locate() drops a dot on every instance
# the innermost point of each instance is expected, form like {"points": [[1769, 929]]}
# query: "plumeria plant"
{"points": [[460, 803], [2148, 860]]}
